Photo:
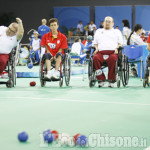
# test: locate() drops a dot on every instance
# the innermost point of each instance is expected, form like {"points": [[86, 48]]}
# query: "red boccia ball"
{"points": [[33, 83]]}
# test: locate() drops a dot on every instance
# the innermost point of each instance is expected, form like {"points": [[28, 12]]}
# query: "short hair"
{"points": [[53, 20], [126, 23], [77, 39], [44, 20], [109, 17]]}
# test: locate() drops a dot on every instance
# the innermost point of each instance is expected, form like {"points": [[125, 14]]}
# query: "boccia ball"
{"points": [[81, 140], [48, 137], [55, 133], [33, 83], [22, 136], [30, 65], [75, 137]]}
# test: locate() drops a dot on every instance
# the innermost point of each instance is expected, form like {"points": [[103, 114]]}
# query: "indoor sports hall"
{"points": [[74, 110]]}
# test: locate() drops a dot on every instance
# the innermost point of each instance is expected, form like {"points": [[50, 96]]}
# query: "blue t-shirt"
{"points": [[43, 29], [82, 48], [88, 44]]}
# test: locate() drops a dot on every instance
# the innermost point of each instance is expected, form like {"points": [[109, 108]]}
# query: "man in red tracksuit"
{"points": [[106, 41]]}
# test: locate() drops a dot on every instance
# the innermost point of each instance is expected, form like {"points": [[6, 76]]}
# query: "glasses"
{"points": [[108, 21], [11, 30]]}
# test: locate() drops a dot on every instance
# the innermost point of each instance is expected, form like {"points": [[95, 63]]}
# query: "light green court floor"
{"points": [[118, 112]]}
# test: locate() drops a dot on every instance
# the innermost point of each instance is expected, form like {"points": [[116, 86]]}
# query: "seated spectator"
{"points": [[143, 36], [117, 27], [80, 26], [35, 48], [102, 24], [77, 49], [92, 26], [78, 33], [86, 31], [134, 38], [87, 26]]}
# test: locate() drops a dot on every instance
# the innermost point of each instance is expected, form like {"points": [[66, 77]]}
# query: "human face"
{"points": [[35, 35], [139, 31], [108, 23], [54, 26], [12, 30]]}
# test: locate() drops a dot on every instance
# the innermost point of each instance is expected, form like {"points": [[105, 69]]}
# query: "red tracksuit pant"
{"points": [[3, 61], [111, 62]]}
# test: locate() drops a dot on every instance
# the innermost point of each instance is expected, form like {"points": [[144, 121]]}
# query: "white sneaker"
{"points": [[48, 75], [111, 85], [55, 74], [101, 84]]}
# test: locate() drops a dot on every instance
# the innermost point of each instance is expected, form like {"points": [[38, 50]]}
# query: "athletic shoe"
{"points": [[48, 76], [101, 84], [111, 85], [55, 74]]}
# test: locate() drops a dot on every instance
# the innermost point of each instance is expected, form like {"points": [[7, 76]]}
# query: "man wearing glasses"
{"points": [[106, 42], [9, 38]]}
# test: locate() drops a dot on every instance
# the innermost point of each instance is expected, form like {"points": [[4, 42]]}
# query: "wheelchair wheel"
{"points": [[117, 73], [92, 79], [13, 73], [67, 69], [90, 68], [41, 73], [125, 71], [9, 84], [146, 82], [61, 82]]}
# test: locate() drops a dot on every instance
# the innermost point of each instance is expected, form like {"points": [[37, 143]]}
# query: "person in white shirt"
{"points": [[134, 38], [106, 41], [35, 48], [9, 38], [92, 26], [80, 26], [77, 49], [126, 31]]}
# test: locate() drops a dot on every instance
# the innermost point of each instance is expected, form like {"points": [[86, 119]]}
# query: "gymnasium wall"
{"points": [[32, 11]]}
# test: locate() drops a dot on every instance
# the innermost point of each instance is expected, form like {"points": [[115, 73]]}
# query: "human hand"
{"points": [[18, 20], [116, 51]]}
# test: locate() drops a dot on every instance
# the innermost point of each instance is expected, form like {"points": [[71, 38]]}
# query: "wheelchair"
{"points": [[65, 70], [146, 80], [11, 70], [121, 69]]}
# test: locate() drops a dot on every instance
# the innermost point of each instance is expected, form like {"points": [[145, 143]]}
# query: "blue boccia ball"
{"points": [[45, 131], [48, 136], [81, 140], [30, 65], [23, 136]]}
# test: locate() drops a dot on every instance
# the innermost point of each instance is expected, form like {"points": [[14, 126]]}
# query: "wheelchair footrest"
{"points": [[3, 82], [52, 79]]}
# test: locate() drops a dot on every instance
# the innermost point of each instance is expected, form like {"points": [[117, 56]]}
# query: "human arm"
{"points": [[20, 31]]}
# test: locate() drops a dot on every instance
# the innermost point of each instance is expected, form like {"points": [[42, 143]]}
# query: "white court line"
{"points": [[62, 90], [78, 101]]}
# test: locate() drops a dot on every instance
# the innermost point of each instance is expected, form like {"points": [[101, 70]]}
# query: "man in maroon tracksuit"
{"points": [[106, 41]]}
